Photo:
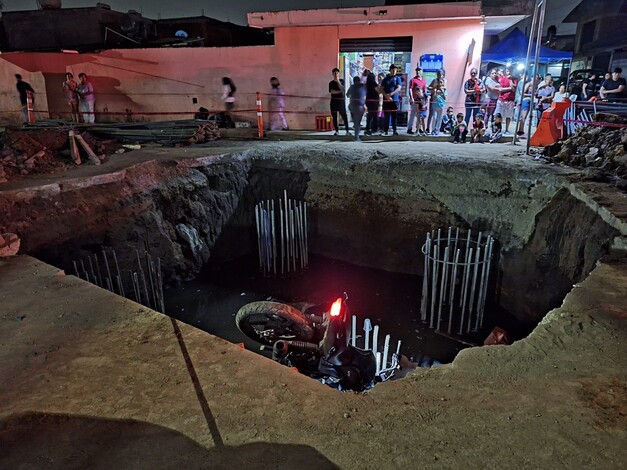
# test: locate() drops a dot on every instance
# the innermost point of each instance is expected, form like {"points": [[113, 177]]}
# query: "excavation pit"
{"points": [[79, 351]]}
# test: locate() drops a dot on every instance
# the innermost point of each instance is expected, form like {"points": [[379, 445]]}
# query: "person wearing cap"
{"points": [[338, 100], [391, 85], [417, 88], [613, 90]]}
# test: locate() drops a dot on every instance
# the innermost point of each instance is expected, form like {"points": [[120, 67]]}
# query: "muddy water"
{"points": [[389, 300]]}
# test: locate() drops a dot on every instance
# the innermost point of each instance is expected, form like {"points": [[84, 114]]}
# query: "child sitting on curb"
{"points": [[478, 129], [448, 121], [460, 130], [497, 128]]}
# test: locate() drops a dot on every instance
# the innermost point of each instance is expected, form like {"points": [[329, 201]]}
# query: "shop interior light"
{"points": [[520, 66]]}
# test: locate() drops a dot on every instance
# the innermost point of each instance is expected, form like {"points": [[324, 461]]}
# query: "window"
{"points": [[587, 33]]}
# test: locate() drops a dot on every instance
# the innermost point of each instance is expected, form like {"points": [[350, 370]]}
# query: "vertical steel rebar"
{"points": [[306, 236], [106, 262], [115, 260], [485, 287], [386, 351], [375, 339], [273, 226], [91, 268], [367, 330], [282, 237], [425, 280], [465, 289], [434, 286], [78, 274], [98, 270], [472, 290], [452, 294], [258, 232], [442, 287], [354, 331]]}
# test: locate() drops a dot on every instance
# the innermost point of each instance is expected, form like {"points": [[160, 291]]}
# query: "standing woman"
{"points": [[228, 93], [71, 95], [277, 106], [473, 90], [372, 104], [440, 80], [357, 96]]}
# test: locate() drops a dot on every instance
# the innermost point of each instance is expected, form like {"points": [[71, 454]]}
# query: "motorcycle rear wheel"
{"points": [[267, 322]]}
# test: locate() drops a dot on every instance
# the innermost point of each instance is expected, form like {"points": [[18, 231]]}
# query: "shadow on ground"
{"points": [[58, 441]]}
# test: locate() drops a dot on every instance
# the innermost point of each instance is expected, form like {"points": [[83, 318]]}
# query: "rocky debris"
{"points": [[602, 151], [32, 151]]}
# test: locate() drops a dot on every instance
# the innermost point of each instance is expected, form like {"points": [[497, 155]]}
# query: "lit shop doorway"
{"points": [[377, 54]]}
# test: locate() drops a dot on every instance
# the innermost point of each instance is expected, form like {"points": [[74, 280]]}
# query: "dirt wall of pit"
{"points": [[366, 207]]}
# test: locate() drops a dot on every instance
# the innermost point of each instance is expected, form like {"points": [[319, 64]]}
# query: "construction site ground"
{"points": [[92, 380]]}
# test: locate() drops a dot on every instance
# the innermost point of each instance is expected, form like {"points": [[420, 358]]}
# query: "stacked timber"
{"points": [[182, 132]]}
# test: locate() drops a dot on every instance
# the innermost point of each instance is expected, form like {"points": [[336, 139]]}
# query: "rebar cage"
{"points": [[455, 282], [282, 235]]}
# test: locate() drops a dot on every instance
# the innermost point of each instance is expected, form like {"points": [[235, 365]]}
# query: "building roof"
{"points": [[590, 8], [382, 14]]}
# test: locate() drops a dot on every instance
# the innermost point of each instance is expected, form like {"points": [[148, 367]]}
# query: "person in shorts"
{"points": [[507, 98]]}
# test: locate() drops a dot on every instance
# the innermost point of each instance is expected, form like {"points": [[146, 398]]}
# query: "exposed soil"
{"points": [[100, 382], [97, 381]]}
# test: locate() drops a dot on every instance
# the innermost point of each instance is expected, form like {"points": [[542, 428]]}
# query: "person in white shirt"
{"points": [[561, 94], [87, 99]]}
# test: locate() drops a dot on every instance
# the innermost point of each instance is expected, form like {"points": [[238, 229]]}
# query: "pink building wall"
{"points": [[146, 81]]}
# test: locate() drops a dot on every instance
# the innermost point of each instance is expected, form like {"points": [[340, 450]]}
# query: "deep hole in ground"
{"points": [[369, 214]]}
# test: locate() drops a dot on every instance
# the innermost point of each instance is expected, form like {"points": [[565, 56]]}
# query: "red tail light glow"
{"points": [[336, 308]]}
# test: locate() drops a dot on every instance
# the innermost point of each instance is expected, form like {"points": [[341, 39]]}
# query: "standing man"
{"points": [[391, 85], [338, 100], [71, 96], [415, 98], [491, 85], [87, 99], [613, 90], [507, 96], [22, 88]]}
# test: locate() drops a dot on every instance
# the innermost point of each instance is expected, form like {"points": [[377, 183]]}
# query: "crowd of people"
{"points": [[491, 104]]}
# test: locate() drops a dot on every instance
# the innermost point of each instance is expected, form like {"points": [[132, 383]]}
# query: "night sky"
{"points": [[231, 10]]}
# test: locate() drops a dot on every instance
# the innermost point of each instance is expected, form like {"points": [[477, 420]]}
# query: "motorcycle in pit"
{"points": [[315, 341]]}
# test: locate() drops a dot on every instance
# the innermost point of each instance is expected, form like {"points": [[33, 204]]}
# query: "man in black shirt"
{"points": [[338, 100], [22, 88], [614, 89]]}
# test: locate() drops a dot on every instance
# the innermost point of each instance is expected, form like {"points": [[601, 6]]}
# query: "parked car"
{"points": [[576, 78]]}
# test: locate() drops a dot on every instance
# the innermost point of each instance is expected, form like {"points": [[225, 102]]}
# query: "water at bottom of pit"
{"points": [[390, 300]]}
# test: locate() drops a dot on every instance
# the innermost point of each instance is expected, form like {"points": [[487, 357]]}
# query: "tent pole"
{"points": [[542, 5], [526, 74]]}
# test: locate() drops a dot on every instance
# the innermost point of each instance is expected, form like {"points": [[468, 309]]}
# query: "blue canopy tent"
{"points": [[513, 48]]}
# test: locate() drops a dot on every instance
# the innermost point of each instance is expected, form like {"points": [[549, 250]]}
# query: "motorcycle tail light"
{"points": [[336, 308]]}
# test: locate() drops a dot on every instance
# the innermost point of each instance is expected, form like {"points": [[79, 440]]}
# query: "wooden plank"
{"points": [[90, 153], [74, 149]]}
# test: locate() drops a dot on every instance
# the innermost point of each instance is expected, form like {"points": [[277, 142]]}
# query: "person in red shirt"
{"points": [[415, 98], [507, 96]]}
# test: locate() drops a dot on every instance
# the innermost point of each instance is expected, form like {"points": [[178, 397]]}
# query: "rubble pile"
{"points": [[600, 150], [24, 153]]}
